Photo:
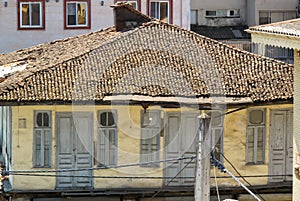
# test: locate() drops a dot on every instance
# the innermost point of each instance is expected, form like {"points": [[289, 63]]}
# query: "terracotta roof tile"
{"points": [[155, 59]]}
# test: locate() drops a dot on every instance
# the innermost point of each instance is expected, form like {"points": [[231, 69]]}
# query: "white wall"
{"points": [[273, 5], [12, 39], [203, 5], [181, 13], [249, 10], [101, 17]]}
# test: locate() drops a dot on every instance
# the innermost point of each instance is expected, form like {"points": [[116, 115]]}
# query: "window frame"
{"points": [[285, 14], [115, 128], [88, 15], [255, 137], [155, 127], [42, 15], [170, 9], [227, 15], [138, 2], [42, 128]]}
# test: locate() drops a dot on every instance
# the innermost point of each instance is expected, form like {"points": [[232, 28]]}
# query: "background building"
{"points": [[30, 22], [227, 20]]}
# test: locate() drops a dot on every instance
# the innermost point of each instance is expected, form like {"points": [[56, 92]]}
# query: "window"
{"points": [[107, 141], [223, 13], [266, 17], [77, 14], [31, 14], [161, 10], [42, 139], [194, 16], [283, 54], [135, 4], [150, 137], [255, 144], [217, 122]]}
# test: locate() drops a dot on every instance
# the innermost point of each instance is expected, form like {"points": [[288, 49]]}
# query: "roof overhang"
{"points": [[184, 100], [274, 39]]}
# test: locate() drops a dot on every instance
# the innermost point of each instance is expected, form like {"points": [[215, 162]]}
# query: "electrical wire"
{"points": [[162, 190], [96, 168], [241, 176], [99, 177], [137, 177]]}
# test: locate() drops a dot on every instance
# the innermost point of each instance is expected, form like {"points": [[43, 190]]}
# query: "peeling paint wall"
{"points": [[129, 148]]}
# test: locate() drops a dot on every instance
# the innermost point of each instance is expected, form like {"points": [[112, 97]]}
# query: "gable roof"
{"points": [[155, 60]]}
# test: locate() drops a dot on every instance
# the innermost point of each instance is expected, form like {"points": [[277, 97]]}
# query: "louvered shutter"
{"points": [[150, 137]]}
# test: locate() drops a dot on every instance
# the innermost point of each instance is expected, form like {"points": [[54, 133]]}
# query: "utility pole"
{"points": [[202, 183]]}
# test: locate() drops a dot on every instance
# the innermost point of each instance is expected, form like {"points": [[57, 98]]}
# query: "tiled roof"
{"points": [[156, 59], [222, 33], [288, 28]]}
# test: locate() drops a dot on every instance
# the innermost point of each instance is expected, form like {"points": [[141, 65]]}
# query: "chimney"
{"points": [[127, 18]]}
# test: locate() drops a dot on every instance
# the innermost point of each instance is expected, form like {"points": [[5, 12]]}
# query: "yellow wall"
{"points": [[235, 147], [129, 148]]}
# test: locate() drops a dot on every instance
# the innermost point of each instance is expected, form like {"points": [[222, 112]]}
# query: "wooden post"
{"points": [[202, 183]]}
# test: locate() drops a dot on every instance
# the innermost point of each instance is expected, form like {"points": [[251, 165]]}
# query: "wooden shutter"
{"points": [[42, 139], [107, 140], [255, 143], [217, 135], [150, 137]]}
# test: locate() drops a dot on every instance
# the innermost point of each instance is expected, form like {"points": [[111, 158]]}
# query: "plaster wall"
{"points": [[12, 39], [235, 148], [202, 5], [129, 148], [249, 10], [272, 5], [181, 13]]}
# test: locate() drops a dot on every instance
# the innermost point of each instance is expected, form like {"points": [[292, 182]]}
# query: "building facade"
{"points": [[227, 20], [28, 23]]}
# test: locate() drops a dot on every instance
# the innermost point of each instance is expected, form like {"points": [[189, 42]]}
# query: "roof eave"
{"points": [[274, 39], [184, 100]]}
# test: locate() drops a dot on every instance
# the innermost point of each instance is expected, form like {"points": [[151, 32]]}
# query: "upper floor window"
{"points": [[134, 4], [161, 10], [42, 137], [255, 144], [223, 13], [31, 14], [266, 17], [77, 14]]}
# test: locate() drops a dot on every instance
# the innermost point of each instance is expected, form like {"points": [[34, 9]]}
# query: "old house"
{"points": [[114, 114]]}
